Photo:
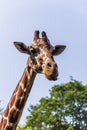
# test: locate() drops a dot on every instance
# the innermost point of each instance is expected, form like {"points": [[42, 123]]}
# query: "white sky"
{"points": [[65, 22]]}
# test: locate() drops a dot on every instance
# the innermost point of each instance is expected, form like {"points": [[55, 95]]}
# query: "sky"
{"points": [[65, 22]]}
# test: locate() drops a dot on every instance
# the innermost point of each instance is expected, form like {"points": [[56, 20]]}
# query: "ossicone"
{"points": [[44, 36], [36, 34]]}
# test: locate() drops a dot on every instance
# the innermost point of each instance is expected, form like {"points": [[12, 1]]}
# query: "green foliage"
{"points": [[64, 109], [24, 128]]}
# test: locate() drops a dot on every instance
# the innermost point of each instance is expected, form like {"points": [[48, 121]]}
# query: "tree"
{"points": [[64, 109], [24, 128]]}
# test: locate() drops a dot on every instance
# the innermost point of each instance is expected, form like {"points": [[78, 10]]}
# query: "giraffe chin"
{"points": [[54, 79], [51, 78]]}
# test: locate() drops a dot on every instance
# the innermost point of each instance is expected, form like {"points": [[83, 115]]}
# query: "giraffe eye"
{"points": [[41, 61], [35, 51]]}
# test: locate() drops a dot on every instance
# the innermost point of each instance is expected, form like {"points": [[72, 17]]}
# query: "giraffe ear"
{"points": [[22, 47], [58, 49]]}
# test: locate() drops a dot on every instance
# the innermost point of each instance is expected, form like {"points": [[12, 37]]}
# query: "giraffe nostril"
{"points": [[49, 65], [56, 66]]}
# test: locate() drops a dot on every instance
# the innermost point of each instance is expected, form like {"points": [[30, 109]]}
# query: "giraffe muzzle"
{"points": [[51, 71]]}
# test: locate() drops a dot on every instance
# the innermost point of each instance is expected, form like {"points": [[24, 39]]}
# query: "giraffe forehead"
{"points": [[45, 54], [44, 45]]}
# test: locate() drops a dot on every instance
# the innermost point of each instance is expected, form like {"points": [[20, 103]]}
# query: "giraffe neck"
{"points": [[13, 112]]}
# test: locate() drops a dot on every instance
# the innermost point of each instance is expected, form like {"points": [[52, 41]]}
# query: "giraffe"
{"points": [[40, 60]]}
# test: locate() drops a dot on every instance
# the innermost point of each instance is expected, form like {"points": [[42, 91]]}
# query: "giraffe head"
{"points": [[42, 54]]}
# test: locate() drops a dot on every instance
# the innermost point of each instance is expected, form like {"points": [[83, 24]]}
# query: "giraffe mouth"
{"points": [[52, 77]]}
